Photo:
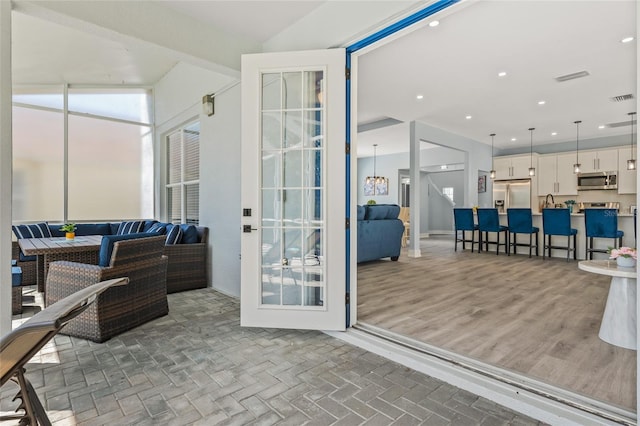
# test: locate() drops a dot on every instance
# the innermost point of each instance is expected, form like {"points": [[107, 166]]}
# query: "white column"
{"points": [[414, 192], [5, 167]]}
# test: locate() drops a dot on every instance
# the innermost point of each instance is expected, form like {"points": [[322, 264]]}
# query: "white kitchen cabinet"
{"points": [[513, 167], [555, 175], [626, 178], [598, 161]]}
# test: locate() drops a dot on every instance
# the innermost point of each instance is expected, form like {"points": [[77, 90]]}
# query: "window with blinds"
{"points": [[183, 175]]}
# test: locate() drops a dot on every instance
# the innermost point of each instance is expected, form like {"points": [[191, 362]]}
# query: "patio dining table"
{"points": [[84, 249]]}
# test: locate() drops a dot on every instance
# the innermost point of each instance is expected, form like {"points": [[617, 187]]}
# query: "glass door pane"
{"points": [[292, 187]]}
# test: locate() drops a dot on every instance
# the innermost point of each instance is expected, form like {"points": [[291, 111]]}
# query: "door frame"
{"points": [[368, 43], [353, 51]]}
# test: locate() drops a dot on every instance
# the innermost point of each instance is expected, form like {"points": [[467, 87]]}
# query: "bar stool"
{"points": [[558, 222], [463, 221], [520, 221], [489, 221], [601, 223]]}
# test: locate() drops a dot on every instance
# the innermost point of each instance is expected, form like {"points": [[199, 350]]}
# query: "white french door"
{"points": [[293, 190]]}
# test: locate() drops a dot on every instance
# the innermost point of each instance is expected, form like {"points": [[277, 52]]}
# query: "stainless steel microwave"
{"points": [[597, 180]]}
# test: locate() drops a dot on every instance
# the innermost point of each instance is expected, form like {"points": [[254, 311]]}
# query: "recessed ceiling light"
{"points": [[502, 74], [419, 97], [443, 167], [627, 39], [601, 126], [542, 102], [513, 139], [554, 133], [434, 23], [468, 117]]}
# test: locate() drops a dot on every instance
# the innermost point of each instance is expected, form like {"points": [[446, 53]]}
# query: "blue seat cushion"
{"points": [[16, 276], [106, 245], [132, 227], [24, 258], [189, 234], [174, 234]]}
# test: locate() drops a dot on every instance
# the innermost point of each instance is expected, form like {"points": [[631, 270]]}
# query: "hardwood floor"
{"points": [[539, 318]]}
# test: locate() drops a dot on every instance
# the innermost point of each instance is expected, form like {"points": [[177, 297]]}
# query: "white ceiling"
{"points": [[454, 66]]}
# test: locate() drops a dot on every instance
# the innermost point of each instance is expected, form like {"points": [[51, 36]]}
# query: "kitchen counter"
{"points": [[625, 224]]}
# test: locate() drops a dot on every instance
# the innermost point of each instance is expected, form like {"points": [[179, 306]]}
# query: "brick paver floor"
{"points": [[197, 366]]}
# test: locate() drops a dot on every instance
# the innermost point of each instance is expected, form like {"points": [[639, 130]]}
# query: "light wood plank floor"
{"points": [[539, 318]]}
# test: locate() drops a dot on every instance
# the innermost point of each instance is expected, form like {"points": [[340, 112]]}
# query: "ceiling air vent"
{"points": [[573, 76], [621, 98], [619, 124]]}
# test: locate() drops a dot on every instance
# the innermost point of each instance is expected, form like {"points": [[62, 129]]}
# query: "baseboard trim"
{"points": [[535, 399]]}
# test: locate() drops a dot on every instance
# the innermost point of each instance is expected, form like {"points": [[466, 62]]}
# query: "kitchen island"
{"points": [[625, 224]]}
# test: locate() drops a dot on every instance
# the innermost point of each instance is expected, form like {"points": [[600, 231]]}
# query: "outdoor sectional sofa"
{"points": [[187, 267]]}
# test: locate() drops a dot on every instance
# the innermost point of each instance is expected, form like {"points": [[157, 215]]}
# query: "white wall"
{"points": [[178, 100], [388, 166]]}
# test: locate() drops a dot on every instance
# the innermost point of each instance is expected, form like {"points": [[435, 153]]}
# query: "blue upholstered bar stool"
{"points": [[601, 223], [520, 221], [489, 221], [558, 222], [463, 222]]}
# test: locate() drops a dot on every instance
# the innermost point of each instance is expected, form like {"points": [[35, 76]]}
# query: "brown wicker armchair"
{"points": [[120, 308], [29, 269], [187, 268]]}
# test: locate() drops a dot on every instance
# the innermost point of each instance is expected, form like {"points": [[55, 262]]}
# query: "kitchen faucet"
{"points": [[546, 200]]}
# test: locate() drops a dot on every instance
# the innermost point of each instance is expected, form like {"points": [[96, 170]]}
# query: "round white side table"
{"points": [[618, 325]]}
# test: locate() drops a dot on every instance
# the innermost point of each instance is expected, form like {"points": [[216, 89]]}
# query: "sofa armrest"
{"points": [[65, 278]]}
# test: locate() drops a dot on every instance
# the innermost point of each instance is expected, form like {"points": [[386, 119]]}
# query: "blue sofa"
{"points": [[379, 232], [186, 248]]}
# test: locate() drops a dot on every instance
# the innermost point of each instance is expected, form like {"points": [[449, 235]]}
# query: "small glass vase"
{"points": [[626, 262]]}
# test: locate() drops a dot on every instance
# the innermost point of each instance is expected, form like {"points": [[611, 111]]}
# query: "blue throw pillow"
{"points": [[189, 234], [174, 235], [158, 228], [132, 227], [148, 224], [106, 245], [37, 230]]}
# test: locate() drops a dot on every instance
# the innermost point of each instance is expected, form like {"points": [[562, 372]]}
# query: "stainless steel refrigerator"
{"points": [[511, 193]]}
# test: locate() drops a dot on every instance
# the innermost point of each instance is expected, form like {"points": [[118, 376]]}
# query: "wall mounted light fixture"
{"points": [[208, 105], [631, 164], [532, 170], [492, 173], [576, 166]]}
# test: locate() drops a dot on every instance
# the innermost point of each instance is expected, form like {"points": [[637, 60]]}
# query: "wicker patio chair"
{"points": [[122, 308], [187, 269], [29, 268], [20, 345]]}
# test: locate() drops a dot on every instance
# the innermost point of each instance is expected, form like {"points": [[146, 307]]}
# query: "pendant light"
{"points": [[631, 164], [492, 173], [532, 170], [576, 167], [376, 185]]}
